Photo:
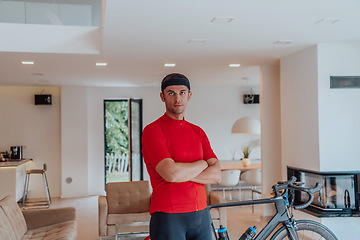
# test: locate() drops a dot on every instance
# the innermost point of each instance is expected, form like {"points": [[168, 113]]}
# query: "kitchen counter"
{"points": [[14, 163]]}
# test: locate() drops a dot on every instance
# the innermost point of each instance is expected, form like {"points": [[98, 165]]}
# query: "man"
{"points": [[179, 160]]}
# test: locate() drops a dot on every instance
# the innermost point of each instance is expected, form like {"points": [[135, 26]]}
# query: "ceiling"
{"points": [[137, 37]]}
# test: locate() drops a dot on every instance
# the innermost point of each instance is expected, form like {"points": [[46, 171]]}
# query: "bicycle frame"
{"points": [[281, 215]]}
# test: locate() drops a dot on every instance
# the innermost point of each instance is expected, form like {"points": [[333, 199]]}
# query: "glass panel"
{"points": [[136, 130], [310, 180], [51, 12], [116, 141], [340, 191]]}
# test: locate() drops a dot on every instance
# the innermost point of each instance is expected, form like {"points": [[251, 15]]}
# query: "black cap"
{"points": [[174, 79]]}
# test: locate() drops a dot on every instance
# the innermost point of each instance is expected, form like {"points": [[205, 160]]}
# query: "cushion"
{"points": [[128, 197], [6, 231], [14, 215], [61, 231]]}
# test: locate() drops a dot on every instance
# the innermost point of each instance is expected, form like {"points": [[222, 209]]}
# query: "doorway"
{"points": [[122, 129]]}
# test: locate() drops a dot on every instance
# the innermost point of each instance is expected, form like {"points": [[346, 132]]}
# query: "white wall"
{"points": [[339, 109], [68, 135], [320, 126], [299, 110], [37, 127], [74, 142], [214, 108]]}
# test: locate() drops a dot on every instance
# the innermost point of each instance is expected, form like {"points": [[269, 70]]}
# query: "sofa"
{"points": [[126, 206], [36, 224]]}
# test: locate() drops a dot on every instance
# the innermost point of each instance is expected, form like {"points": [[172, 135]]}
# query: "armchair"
{"points": [[125, 203]]}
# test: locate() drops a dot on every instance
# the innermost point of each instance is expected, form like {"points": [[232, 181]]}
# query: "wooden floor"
{"points": [[239, 218]]}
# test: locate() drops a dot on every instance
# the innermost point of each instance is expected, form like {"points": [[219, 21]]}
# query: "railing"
{"points": [[117, 163]]}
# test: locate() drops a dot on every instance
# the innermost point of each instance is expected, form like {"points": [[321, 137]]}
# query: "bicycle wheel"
{"points": [[306, 230]]}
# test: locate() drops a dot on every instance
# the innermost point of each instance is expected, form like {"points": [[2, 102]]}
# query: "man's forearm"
{"points": [[211, 175], [173, 171]]}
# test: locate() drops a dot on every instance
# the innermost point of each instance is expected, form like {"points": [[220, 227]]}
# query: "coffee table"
{"points": [[131, 231], [126, 236]]}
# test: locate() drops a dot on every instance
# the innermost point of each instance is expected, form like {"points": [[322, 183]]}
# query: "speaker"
{"points": [[43, 99], [251, 98]]}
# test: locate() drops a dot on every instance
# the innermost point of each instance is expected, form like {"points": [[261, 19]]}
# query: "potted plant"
{"points": [[246, 153]]}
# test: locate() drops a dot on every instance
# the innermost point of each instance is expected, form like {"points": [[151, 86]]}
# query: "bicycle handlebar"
{"points": [[290, 184], [310, 192], [292, 180]]}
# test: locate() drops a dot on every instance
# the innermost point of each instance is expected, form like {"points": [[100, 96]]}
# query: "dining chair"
{"points": [[229, 178], [253, 179]]}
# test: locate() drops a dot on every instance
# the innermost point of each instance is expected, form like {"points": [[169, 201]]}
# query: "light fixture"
{"points": [[27, 62], [234, 65], [246, 126], [197, 40], [101, 64], [169, 65], [283, 42], [222, 19], [328, 21]]}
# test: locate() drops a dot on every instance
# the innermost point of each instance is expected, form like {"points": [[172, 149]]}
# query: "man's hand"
{"points": [[173, 171]]}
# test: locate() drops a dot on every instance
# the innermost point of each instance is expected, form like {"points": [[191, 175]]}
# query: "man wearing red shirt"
{"points": [[179, 160]]}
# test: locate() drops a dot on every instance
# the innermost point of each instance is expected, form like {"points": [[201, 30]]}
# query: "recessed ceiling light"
{"points": [[283, 42], [101, 64], [328, 21], [198, 40], [27, 62], [222, 19], [234, 65], [169, 65]]}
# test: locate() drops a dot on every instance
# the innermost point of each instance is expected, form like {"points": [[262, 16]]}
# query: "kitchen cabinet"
{"points": [[12, 177]]}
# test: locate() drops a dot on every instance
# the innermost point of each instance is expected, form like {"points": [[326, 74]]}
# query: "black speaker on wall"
{"points": [[251, 98], [43, 99]]}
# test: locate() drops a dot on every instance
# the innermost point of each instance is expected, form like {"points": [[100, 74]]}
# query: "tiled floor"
{"points": [[239, 218], [86, 215], [242, 217]]}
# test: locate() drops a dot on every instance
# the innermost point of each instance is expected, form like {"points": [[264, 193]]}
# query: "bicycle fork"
{"points": [[291, 229]]}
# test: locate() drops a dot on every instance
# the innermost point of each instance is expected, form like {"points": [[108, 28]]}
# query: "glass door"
{"points": [[123, 128]]}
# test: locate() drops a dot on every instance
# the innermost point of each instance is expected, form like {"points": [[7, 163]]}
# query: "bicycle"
{"points": [[284, 193]]}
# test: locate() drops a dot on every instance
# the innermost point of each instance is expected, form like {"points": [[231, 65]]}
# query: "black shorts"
{"points": [[181, 226]]}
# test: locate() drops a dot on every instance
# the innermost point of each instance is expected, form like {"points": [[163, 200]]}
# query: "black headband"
{"points": [[175, 79]]}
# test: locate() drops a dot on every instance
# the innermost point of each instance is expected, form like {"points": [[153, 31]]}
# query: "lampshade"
{"points": [[246, 126]]}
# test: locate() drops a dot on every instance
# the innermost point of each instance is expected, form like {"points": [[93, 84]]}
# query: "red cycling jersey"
{"points": [[182, 142]]}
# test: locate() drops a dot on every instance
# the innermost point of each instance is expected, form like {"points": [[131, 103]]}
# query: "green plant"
{"points": [[246, 152]]}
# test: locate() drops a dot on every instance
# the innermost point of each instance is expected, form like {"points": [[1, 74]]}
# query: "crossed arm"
{"points": [[201, 171]]}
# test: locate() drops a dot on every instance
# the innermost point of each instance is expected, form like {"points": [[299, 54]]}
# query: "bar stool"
{"points": [[46, 187]]}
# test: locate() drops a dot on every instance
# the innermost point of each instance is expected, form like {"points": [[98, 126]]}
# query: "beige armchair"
{"points": [[125, 203]]}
